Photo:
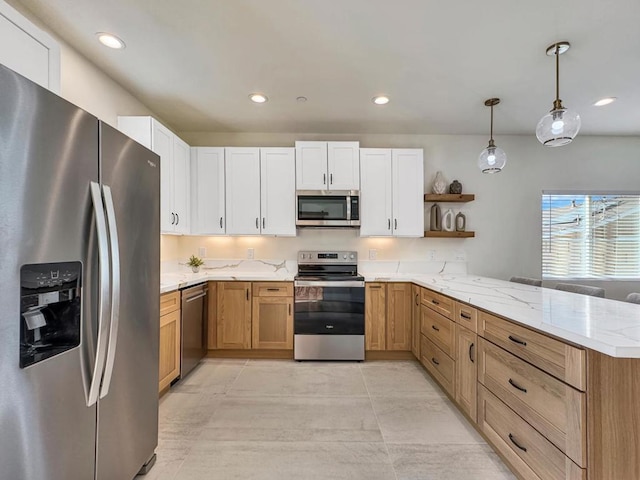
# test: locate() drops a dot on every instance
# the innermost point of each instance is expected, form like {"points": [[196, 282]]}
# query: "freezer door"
{"points": [[48, 156], [128, 412]]}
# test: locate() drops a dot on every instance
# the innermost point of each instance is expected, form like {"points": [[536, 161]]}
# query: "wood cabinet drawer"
{"points": [[272, 289], [441, 366], [531, 454], [553, 356], [438, 329], [466, 316], [555, 409], [169, 302], [441, 304]]}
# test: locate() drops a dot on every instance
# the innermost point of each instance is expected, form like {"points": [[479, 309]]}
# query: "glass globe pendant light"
{"points": [[492, 159], [560, 126]]}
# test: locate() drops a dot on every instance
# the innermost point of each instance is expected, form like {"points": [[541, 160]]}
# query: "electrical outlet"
{"points": [[431, 255], [250, 253], [461, 256], [373, 254], [202, 252]]}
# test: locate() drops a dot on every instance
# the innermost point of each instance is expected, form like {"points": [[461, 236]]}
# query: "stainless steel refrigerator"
{"points": [[79, 291]]}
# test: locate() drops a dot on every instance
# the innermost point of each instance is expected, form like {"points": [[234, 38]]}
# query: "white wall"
{"points": [[505, 215]]}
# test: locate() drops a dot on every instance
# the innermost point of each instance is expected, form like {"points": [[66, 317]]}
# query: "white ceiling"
{"points": [[194, 62]]}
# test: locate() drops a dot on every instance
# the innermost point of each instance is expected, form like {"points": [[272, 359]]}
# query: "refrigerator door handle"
{"points": [[115, 290], [103, 302]]}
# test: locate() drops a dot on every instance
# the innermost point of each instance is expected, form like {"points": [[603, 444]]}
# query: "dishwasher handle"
{"points": [[195, 297]]}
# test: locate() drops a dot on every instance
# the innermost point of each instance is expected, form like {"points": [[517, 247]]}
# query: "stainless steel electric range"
{"points": [[328, 320]]}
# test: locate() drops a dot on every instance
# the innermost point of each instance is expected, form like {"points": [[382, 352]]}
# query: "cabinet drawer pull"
{"points": [[220, 222], [247, 294], [331, 178], [515, 340], [257, 223], [324, 178], [289, 309], [470, 352], [375, 286], [417, 299], [388, 224], [465, 316], [173, 219], [435, 302], [272, 289], [516, 386], [435, 328], [177, 219], [516, 443], [395, 223], [263, 223], [436, 362]]}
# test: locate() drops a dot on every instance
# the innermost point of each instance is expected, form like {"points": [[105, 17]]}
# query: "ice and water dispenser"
{"points": [[50, 310]]}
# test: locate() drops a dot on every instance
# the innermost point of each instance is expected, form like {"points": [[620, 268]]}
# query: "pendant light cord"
{"points": [[491, 139], [557, 72]]}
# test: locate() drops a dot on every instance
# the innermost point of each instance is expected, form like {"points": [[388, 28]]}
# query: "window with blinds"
{"points": [[590, 236]]}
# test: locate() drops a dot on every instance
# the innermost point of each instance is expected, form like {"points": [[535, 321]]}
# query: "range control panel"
{"points": [[321, 257]]}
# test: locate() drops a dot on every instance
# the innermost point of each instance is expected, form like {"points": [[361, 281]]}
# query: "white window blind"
{"points": [[590, 236]]}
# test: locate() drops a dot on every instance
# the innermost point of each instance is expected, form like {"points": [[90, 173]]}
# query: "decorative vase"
{"points": [[435, 223], [448, 221], [461, 222], [195, 269], [439, 184], [455, 187]]}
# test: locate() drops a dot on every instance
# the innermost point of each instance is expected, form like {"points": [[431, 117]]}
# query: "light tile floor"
{"points": [[264, 419]]}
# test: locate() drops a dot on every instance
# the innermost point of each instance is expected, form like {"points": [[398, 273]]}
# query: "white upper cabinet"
{"points": [[408, 192], [207, 191], [28, 50], [343, 162], [391, 192], [376, 213], [277, 191], [174, 169], [242, 174], [327, 166]]}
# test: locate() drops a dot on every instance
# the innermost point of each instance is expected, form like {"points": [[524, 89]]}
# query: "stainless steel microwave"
{"points": [[328, 208]]}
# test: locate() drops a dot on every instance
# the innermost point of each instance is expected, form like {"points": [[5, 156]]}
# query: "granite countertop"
{"points": [[607, 326]]}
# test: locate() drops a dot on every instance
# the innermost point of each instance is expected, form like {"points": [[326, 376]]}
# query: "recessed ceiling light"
{"points": [[110, 40], [380, 100], [258, 98], [605, 101], [301, 99]]}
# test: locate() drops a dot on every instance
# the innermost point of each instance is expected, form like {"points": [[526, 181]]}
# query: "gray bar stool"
{"points": [[526, 281], [633, 298], [582, 289]]}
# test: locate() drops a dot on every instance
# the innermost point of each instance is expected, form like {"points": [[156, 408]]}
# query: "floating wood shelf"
{"points": [[449, 234], [449, 197]]}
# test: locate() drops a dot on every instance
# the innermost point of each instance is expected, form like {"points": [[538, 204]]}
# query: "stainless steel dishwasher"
{"points": [[194, 327]]}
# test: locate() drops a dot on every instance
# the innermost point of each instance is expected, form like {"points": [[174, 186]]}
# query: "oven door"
{"points": [[329, 308]]}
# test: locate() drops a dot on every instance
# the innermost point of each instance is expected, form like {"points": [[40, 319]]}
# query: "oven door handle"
{"points": [[315, 283]]}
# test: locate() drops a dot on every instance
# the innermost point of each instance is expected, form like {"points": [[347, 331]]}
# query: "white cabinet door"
{"points": [[408, 192], [207, 191], [376, 214], [242, 174], [181, 181], [162, 144], [28, 50], [277, 191], [311, 165], [343, 162]]}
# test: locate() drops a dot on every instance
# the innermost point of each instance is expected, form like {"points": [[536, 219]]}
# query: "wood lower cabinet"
{"points": [[375, 316], [399, 317], [439, 364], [233, 315], [466, 371], [169, 358], [272, 316], [415, 321]]}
